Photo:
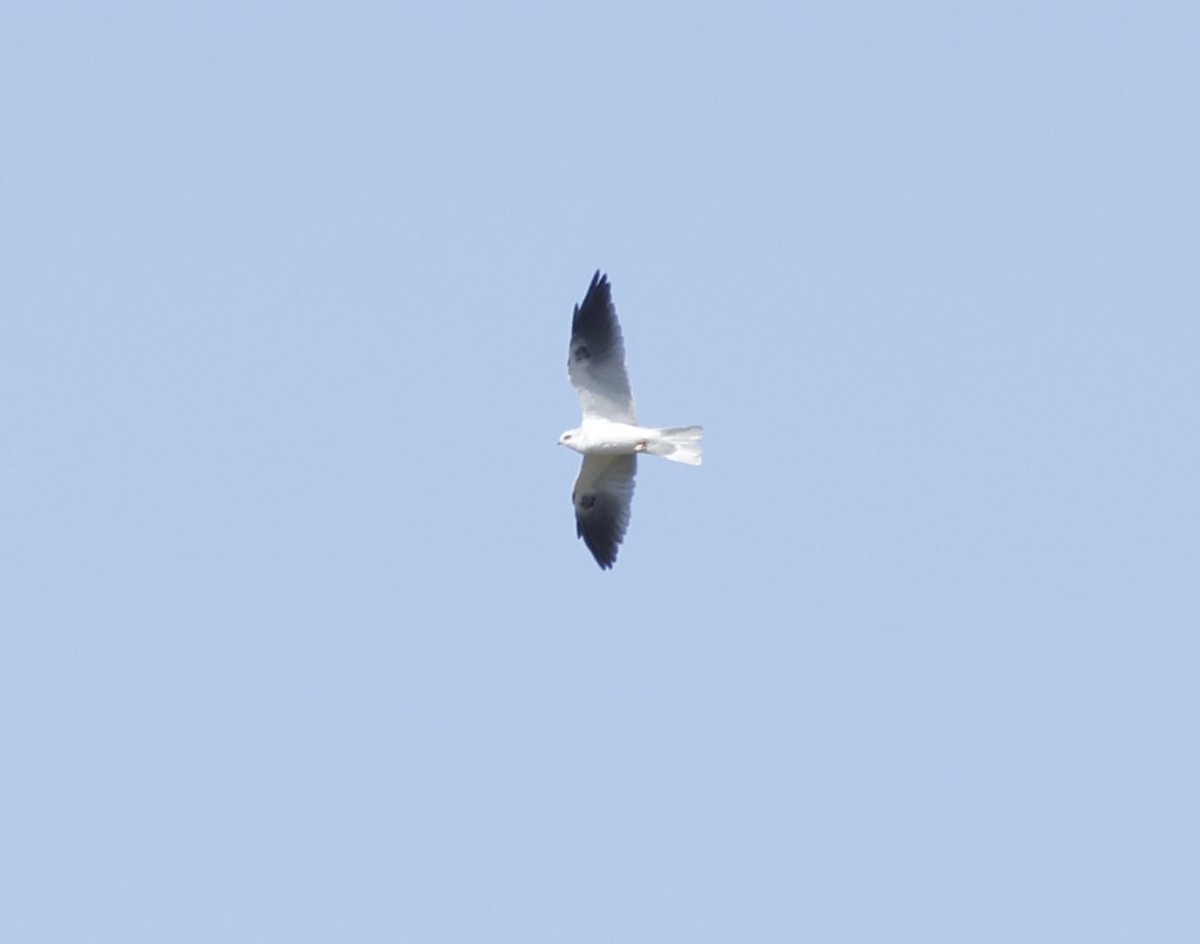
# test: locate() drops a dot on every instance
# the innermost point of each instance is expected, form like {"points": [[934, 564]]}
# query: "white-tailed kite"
{"points": [[608, 436]]}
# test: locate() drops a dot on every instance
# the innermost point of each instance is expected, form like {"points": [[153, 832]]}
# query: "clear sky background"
{"points": [[298, 643]]}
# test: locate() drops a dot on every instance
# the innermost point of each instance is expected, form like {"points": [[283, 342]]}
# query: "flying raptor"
{"points": [[608, 435]]}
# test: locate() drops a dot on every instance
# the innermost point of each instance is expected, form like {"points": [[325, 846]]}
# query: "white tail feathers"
{"points": [[678, 443]]}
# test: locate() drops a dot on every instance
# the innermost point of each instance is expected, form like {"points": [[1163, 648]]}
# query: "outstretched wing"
{"points": [[596, 359], [602, 497]]}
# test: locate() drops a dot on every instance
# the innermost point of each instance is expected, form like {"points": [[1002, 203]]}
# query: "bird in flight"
{"points": [[608, 436]]}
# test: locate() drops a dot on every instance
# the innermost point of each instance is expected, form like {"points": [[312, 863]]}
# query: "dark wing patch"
{"points": [[602, 498]]}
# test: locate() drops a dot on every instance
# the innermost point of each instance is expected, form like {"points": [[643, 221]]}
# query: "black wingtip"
{"points": [[603, 550], [605, 564], [596, 318], [600, 284]]}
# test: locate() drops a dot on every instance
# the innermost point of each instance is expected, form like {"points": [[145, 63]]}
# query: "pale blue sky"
{"points": [[298, 643]]}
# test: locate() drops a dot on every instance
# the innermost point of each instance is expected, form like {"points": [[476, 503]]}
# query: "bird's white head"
{"points": [[572, 439]]}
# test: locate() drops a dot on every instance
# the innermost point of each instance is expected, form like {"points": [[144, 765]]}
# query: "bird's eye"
{"points": [[568, 436]]}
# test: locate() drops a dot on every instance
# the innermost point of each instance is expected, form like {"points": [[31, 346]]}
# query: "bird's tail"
{"points": [[678, 443]]}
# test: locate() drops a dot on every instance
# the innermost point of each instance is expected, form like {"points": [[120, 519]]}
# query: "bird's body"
{"points": [[598, 436], [601, 437], [609, 437]]}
